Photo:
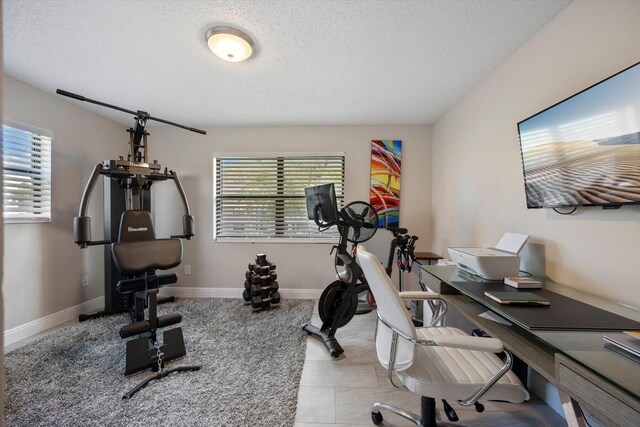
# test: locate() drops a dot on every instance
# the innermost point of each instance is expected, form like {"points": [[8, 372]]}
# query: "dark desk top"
{"points": [[564, 313]]}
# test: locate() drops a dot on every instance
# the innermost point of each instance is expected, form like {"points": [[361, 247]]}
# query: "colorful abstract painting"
{"points": [[384, 194]]}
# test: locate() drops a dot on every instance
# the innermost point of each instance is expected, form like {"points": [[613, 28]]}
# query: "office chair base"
{"points": [[426, 419]]}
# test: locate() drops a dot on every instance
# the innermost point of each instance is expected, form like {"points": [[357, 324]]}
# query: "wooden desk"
{"points": [[426, 256], [611, 395]]}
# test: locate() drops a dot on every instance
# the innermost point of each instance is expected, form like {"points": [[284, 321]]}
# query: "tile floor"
{"points": [[339, 392]]}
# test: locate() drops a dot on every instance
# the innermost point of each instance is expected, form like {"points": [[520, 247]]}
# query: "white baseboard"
{"points": [[193, 292], [29, 329]]}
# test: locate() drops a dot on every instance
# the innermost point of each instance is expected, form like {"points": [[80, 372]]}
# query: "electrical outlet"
{"points": [[187, 269], [85, 280]]}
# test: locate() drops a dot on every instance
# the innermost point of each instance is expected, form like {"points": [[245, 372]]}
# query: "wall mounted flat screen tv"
{"points": [[585, 150]]}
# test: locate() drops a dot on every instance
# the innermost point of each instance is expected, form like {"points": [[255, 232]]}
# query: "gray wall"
{"points": [[42, 266], [478, 184], [300, 265]]}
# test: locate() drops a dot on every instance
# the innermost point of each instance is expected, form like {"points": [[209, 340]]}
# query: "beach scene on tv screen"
{"points": [[586, 150]]}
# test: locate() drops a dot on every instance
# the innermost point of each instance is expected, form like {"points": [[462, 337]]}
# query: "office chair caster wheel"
{"points": [[376, 417], [479, 407], [450, 412]]}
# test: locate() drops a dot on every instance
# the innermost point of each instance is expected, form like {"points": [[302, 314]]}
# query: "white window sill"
{"points": [[278, 240], [25, 221]]}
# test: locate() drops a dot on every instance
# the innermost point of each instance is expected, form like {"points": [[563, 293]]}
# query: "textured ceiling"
{"points": [[317, 62]]}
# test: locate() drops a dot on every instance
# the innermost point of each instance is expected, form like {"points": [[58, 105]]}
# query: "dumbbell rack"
{"points": [[261, 286]]}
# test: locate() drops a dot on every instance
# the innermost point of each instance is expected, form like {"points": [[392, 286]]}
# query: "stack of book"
{"points": [[522, 282], [517, 298]]}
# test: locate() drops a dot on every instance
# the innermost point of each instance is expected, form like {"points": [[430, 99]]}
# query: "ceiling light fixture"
{"points": [[229, 44]]}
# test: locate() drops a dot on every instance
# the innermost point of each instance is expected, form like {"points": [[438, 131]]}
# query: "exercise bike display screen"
{"points": [[322, 197]]}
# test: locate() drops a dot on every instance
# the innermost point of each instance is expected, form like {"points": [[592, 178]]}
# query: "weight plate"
{"points": [[331, 299]]}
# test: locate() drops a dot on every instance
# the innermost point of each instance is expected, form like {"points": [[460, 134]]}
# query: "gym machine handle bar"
{"points": [[137, 114], [82, 223]]}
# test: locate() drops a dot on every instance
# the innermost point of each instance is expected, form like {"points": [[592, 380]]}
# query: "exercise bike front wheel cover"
{"points": [[331, 299]]}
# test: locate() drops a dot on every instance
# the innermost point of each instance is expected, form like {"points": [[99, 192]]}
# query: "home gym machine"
{"points": [[134, 252], [356, 223]]}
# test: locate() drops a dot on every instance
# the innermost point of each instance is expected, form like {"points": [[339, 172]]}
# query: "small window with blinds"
{"points": [[263, 197], [26, 174]]}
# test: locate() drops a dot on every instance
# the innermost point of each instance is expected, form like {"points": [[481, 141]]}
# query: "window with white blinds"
{"points": [[26, 161], [263, 197]]}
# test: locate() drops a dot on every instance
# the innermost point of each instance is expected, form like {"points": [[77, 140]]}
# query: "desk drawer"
{"points": [[429, 281], [586, 387]]}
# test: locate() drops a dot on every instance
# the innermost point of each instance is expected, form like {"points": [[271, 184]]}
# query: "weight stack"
{"points": [[261, 285]]}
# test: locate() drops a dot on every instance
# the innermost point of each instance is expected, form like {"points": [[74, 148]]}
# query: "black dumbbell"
{"points": [[247, 285], [273, 275], [275, 298], [251, 266], [266, 303], [264, 270], [256, 290], [261, 259], [256, 301], [246, 295], [274, 286], [266, 292], [255, 279], [272, 266], [248, 274]]}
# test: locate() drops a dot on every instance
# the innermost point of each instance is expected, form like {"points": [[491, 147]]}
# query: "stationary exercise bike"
{"points": [[356, 223]]}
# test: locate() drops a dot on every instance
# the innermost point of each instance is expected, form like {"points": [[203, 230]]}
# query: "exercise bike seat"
{"points": [[138, 251]]}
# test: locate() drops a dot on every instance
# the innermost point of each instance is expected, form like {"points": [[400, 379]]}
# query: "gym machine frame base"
{"points": [[159, 376]]}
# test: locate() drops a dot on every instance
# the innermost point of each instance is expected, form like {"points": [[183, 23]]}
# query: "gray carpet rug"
{"points": [[251, 368]]}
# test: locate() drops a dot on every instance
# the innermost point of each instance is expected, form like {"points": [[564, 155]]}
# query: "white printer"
{"points": [[492, 263]]}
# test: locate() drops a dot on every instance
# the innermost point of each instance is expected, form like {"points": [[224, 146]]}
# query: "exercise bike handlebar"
{"points": [[398, 231], [137, 114]]}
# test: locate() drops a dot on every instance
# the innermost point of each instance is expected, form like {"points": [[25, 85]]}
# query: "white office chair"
{"points": [[434, 362]]}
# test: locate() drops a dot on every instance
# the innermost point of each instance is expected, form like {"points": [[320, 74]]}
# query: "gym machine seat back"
{"points": [[138, 250]]}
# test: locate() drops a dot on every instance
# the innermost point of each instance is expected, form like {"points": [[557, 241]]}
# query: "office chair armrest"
{"points": [[420, 295], [432, 298], [490, 345]]}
